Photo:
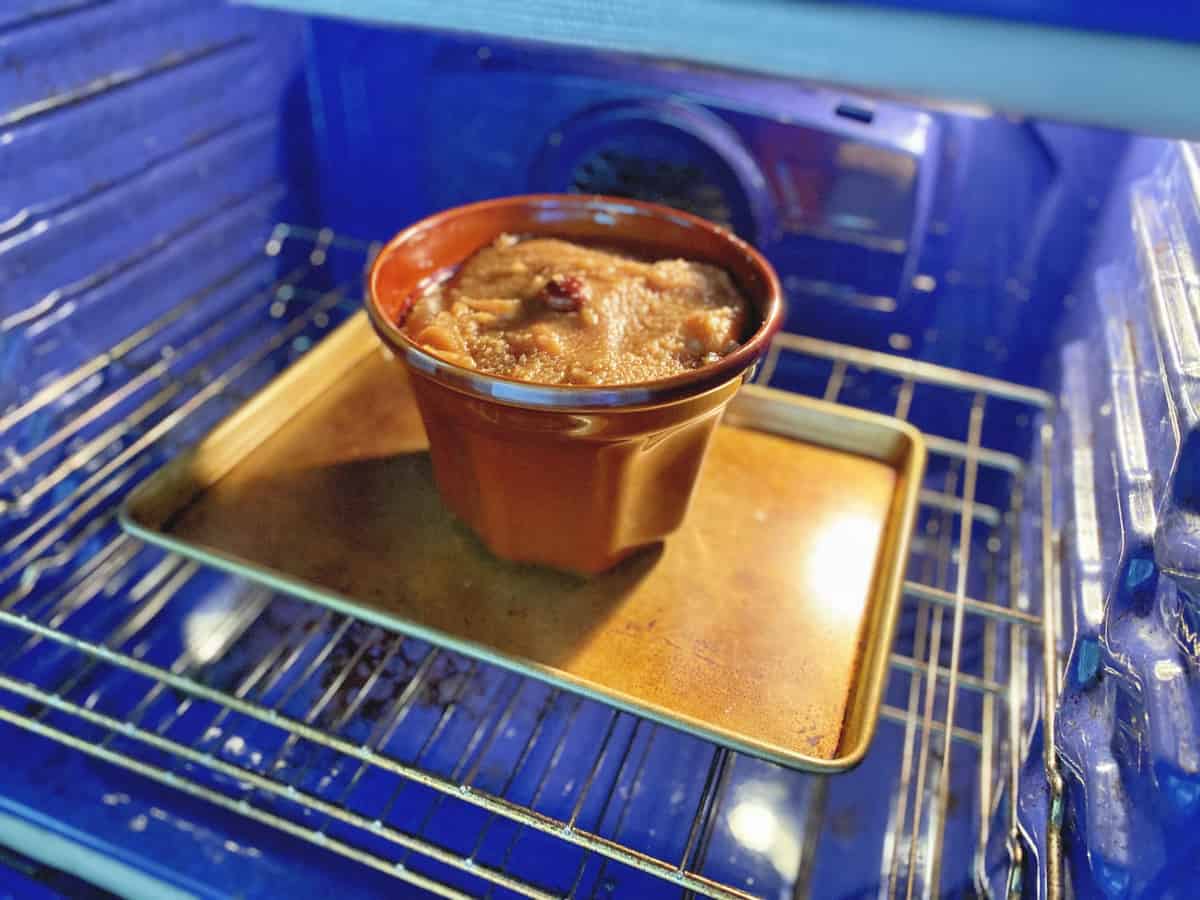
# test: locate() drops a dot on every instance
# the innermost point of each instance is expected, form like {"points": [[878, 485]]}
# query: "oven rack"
{"points": [[121, 652]]}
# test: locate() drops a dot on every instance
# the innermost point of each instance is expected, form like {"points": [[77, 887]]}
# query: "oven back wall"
{"points": [[927, 234]]}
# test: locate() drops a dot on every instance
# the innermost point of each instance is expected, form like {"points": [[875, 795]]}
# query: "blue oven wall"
{"points": [[1128, 433], [978, 233], [144, 146], [146, 149]]}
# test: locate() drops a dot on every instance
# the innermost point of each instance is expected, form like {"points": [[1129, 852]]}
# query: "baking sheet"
{"points": [[765, 624]]}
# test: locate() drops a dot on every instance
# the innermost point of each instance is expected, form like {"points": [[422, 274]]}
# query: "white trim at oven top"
{"points": [[73, 854], [1133, 83]]}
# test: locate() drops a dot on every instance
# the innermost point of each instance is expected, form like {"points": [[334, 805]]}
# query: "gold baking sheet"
{"points": [[765, 624]]}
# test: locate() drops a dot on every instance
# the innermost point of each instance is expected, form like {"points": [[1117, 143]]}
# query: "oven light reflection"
{"points": [[757, 825], [209, 629], [754, 825], [839, 566]]}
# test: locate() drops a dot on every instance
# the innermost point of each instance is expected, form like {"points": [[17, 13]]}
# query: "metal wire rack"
{"points": [[451, 775]]}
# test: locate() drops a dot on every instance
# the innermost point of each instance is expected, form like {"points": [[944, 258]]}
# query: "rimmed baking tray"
{"points": [[765, 624]]}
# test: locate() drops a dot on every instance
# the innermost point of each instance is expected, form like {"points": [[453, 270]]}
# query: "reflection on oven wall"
{"points": [[937, 236]]}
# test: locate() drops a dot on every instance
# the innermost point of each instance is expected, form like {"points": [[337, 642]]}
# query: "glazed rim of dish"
{"points": [[767, 303]]}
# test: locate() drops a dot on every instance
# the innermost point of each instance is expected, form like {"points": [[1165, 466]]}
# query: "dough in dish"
{"points": [[553, 312]]}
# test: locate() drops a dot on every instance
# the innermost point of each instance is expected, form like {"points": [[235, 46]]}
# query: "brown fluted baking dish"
{"points": [[568, 476]]}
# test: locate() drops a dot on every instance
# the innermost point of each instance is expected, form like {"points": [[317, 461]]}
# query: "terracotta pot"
{"points": [[571, 477]]}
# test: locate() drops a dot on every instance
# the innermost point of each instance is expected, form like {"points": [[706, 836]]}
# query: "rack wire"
{"points": [[302, 719]]}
